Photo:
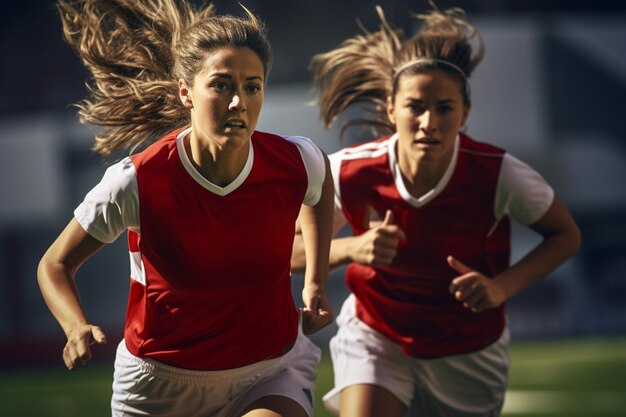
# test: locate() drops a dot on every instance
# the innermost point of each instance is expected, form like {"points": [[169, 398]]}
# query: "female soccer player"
{"points": [[429, 208], [209, 209]]}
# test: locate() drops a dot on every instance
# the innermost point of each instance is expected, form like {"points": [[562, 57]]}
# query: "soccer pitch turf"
{"points": [[578, 377]]}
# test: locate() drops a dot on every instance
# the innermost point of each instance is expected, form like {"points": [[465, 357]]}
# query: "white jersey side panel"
{"points": [[315, 166], [112, 206], [522, 193]]}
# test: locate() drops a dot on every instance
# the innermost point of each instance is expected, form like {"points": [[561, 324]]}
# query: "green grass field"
{"points": [[547, 379]]}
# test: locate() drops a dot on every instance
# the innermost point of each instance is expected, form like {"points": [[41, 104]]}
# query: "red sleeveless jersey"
{"points": [[217, 291], [409, 301]]}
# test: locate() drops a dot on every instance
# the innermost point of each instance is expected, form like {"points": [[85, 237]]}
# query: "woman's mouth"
{"points": [[426, 141], [235, 124]]}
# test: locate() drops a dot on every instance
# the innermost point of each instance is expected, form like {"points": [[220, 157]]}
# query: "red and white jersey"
{"points": [[210, 266], [466, 215]]}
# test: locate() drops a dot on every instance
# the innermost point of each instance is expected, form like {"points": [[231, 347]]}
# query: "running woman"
{"points": [[209, 206], [430, 209]]}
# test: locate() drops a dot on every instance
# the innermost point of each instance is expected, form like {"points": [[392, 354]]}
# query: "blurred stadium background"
{"points": [[551, 90]]}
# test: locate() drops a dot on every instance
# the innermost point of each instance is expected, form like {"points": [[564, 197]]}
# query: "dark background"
{"points": [[41, 74]]}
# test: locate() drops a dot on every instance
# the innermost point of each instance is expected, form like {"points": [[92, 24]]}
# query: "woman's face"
{"points": [[427, 111], [226, 97]]}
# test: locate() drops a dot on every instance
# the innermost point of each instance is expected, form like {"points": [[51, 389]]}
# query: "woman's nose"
{"points": [[235, 103], [427, 121]]}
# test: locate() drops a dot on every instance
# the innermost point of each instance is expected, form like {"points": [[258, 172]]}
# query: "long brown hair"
{"points": [[364, 69], [136, 51]]}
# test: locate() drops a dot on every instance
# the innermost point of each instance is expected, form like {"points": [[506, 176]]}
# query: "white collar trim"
{"points": [[397, 175], [215, 189]]}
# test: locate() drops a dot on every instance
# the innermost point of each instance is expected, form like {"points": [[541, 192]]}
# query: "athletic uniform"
{"points": [[401, 328], [210, 305]]}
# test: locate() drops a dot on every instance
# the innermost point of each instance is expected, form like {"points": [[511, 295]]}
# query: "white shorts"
{"points": [[145, 387], [465, 385]]}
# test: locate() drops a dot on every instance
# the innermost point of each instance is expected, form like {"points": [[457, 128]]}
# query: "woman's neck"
{"points": [[420, 175], [218, 164]]}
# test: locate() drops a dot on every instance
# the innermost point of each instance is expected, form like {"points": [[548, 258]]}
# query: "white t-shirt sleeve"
{"points": [[339, 219], [112, 206], [315, 166], [522, 193]]}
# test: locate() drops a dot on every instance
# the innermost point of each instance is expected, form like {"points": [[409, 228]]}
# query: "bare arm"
{"points": [[339, 251], [561, 239], [56, 277], [316, 230], [377, 246]]}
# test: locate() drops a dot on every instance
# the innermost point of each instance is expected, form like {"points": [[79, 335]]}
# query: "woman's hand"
{"points": [[317, 311], [379, 245], [77, 351], [475, 290]]}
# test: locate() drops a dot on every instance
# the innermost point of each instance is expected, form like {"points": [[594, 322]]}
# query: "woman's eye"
{"points": [[445, 109], [253, 89], [415, 108], [219, 87]]}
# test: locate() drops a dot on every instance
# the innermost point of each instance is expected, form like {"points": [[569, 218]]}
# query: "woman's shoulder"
{"points": [[162, 146], [472, 146], [279, 143], [365, 150]]}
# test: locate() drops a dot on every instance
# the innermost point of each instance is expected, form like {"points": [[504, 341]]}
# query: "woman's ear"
{"points": [[185, 94], [391, 111]]}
